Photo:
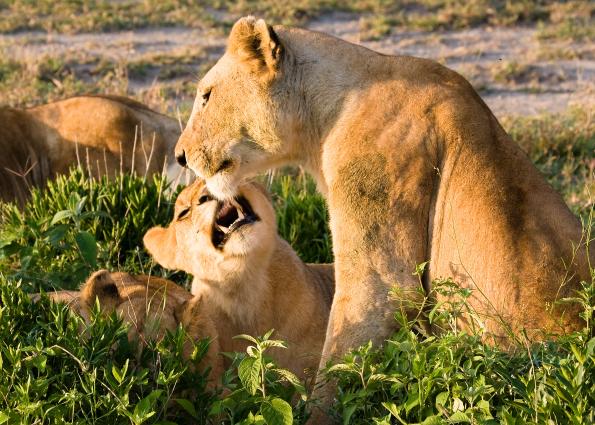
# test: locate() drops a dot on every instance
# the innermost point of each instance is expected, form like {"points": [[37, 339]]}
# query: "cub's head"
{"points": [[149, 304], [215, 240], [240, 112]]}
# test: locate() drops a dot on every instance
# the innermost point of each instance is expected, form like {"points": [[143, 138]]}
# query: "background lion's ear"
{"points": [[161, 244], [100, 285], [256, 44]]}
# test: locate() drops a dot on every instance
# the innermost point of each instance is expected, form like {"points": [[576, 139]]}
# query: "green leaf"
{"points": [[419, 268], [249, 373], [80, 205], [276, 412], [484, 405], [61, 215], [412, 401], [459, 417], [291, 378], [188, 407], [4, 417], [144, 408], [392, 408], [442, 398], [87, 246], [40, 361], [57, 234], [119, 375], [433, 420], [246, 337]]}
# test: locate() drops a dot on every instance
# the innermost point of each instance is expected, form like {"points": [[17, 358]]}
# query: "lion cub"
{"points": [[150, 305], [251, 279]]}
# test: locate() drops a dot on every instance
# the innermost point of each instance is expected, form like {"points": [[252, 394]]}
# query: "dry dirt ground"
{"points": [[514, 72]]}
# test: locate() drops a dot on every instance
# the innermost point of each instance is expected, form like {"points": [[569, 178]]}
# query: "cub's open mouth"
{"points": [[231, 215]]}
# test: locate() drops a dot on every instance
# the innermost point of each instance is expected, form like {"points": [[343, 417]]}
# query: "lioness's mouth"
{"points": [[230, 216]]}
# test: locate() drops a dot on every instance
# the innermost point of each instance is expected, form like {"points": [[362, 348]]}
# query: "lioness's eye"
{"points": [[204, 198], [183, 213]]}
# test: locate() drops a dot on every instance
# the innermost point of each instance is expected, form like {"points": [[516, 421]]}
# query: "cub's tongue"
{"points": [[227, 214]]}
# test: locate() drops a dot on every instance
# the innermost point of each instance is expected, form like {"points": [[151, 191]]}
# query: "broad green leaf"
{"points": [[459, 417], [433, 420], [57, 234], [144, 409], [276, 412], [188, 407], [412, 401], [392, 408], [442, 398], [61, 215], [249, 373], [88, 247]]}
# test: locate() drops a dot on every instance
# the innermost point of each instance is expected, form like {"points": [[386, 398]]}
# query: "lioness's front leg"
{"points": [[379, 235]]}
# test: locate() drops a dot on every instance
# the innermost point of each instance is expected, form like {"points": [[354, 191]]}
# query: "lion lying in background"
{"points": [[104, 134], [249, 278]]}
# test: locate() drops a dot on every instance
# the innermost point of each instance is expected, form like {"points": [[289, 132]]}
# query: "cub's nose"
{"points": [[181, 158]]}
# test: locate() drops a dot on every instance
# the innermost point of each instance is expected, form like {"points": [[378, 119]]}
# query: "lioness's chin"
{"points": [[223, 186]]}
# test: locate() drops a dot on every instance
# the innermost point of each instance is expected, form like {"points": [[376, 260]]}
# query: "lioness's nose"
{"points": [[181, 158]]}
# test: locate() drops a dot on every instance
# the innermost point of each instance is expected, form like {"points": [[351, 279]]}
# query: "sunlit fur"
{"points": [[414, 167], [102, 134], [150, 306], [254, 283]]}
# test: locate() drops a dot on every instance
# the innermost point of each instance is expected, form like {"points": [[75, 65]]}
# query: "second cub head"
{"points": [[210, 238]]}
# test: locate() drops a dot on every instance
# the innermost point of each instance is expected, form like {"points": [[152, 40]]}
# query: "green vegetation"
{"points": [[455, 378], [51, 372]]}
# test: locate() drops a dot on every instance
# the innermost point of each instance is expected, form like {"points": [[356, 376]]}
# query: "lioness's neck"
{"points": [[323, 90]]}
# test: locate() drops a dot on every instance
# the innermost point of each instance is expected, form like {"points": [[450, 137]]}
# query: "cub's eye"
{"points": [[183, 214], [205, 97], [204, 198]]}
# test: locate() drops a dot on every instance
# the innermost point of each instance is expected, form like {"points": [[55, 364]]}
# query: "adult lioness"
{"points": [[150, 305], [251, 279], [414, 167], [105, 134]]}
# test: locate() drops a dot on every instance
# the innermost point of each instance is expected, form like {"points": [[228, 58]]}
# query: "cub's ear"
{"points": [[100, 285], [256, 44], [161, 244]]}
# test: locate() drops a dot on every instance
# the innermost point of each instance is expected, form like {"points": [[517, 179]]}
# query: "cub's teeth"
{"points": [[238, 208], [223, 228]]}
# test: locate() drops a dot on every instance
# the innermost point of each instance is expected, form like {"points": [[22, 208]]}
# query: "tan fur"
{"points": [[151, 306], [254, 283], [41, 142], [414, 167]]}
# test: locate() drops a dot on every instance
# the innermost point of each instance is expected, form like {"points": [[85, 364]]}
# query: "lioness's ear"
{"points": [[256, 45], [161, 244], [100, 285]]}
